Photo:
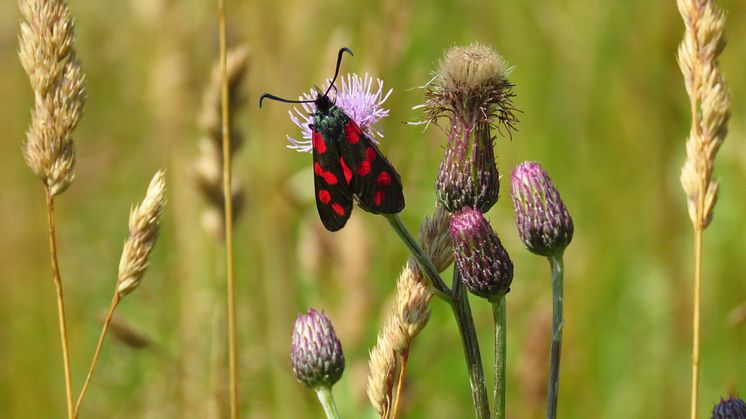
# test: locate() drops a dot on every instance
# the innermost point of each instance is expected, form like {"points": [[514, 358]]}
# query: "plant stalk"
{"points": [[400, 383], [557, 268], [699, 227], [57, 278], [462, 312], [326, 398], [228, 206], [104, 330], [437, 285], [499, 314]]}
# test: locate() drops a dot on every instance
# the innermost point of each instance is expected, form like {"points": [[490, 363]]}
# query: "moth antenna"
{"points": [[339, 63], [279, 99]]}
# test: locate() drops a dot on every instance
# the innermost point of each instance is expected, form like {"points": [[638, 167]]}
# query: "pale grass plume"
{"points": [[144, 224], [704, 40], [207, 169], [408, 315], [47, 54]]}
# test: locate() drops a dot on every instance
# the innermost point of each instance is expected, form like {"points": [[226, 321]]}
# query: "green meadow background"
{"points": [[603, 109]]}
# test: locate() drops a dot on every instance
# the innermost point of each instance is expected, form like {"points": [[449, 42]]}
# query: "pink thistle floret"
{"points": [[357, 97]]}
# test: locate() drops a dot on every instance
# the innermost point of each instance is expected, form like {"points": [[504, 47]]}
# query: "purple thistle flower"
{"points": [[544, 224], [316, 354], [481, 260], [733, 408], [357, 97]]}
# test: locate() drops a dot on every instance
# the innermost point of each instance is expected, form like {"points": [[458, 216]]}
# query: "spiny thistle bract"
{"points": [[732, 408], [544, 224], [470, 89], [316, 354], [482, 262]]}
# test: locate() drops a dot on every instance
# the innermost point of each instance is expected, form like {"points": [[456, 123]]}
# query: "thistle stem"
{"points": [[557, 268], [499, 314], [228, 206], [104, 330], [324, 393], [431, 273], [462, 312], [57, 278]]}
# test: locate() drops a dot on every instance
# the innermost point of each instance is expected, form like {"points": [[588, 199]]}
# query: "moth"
{"points": [[347, 164]]}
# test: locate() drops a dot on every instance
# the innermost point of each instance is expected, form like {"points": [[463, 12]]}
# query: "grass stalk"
{"points": [[499, 314], [557, 268], [228, 207], [97, 353], [57, 278], [399, 384]]}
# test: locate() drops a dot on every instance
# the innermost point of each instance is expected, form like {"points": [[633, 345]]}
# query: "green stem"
{"points": [[557, 268], [324, 394], [500, 316], [462, 312], [431, 273]]}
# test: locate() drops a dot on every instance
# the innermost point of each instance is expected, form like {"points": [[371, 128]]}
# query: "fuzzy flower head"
{"points": [[544, 224], [472, 85], [481, 260], [732, 408], [316, 354], [357, 97]]}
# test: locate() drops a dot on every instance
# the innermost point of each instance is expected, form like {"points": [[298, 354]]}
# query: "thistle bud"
{"points": [[316, 354], [733, 408], [481, 260], [543, 222], [471, 89]]}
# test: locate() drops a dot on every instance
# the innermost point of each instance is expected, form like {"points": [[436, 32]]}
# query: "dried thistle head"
{"points": [[144, 224], [472, 91], [472, 85], [46, 53]]}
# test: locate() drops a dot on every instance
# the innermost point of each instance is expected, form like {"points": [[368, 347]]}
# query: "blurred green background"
{"points": [[603, 108]]}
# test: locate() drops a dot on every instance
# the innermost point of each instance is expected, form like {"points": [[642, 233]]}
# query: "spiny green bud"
{"points": [[733, 408], [316, 354], [543, 222], [482, 262]]}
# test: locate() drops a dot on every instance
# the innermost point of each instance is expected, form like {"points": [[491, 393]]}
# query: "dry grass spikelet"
{"points": [[436, 242], [382, 372], [704, 40], [207, 170], [46, 53], [144, 224]]}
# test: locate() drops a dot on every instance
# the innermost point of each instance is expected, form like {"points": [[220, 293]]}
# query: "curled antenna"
{"points": [[336, 73]]}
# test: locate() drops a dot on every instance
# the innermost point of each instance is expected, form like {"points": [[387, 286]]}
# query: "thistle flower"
{"points": [[733, 408], [47, 54], [543, 222], [357, 98], [144, 224], [316, 354], [471, 89], [481, 260]]}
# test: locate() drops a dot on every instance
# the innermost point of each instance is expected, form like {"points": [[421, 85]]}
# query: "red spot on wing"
{"points": [[317, 169], [364, 168], [346, 170], [383, 179], [338, 209], [324, 196], [378, 197], [329, 178], [370, 154], [318, 142], [352, 132]]}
